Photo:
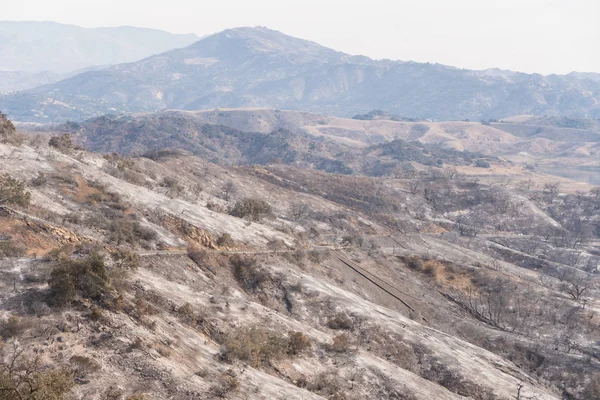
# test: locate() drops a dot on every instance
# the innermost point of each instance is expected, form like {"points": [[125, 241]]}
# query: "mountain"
{"points": [[49, 46], [258, 67]]}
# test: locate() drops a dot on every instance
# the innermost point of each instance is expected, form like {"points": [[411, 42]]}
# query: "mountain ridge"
{"points": [[260, 67]]}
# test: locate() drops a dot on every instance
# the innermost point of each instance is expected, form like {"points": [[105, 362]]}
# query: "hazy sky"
{"points": [[546, 36]]}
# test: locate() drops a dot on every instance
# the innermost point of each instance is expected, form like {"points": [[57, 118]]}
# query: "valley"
{"points": [[285, 281], [248, 215]]}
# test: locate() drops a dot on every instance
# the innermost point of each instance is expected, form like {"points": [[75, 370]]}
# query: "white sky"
{"points": [[545, 36]]}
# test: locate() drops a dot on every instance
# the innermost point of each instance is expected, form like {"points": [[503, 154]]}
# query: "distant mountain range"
{"points": [[259, 67], [48, 46], [12, 81], [38, 53]]}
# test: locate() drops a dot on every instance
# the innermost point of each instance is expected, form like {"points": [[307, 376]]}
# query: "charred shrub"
{"points": [[13, 326], [10, 249], [225, 240], [414, 263], [340, 344], [226, 384], [298, 342], [341, 321], [83, 366], [248, 273]]}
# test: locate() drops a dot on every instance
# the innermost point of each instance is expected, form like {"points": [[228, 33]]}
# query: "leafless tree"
{"points": [[413, 186], [527, 184], [196, 190], [228, 190], [551, 190], [450, 172], [298, 211], [501, 201], [466, 226], [546, 233], [408, 171], [575, 288]]}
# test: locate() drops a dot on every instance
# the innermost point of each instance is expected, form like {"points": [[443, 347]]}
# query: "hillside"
{"points": [[258, 67], [283, 139], [319, 141], [172, 277]]}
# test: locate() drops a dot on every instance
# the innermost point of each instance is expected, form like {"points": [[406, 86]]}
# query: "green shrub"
{"points": [[482, 163], [258, 346], [12, 191], [8, 132], [62, 143], [25, 378], [252, 209], [86, 278]]}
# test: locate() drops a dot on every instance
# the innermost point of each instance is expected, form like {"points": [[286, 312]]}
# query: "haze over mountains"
{"points": [[265, 68], [30, 48], [12, 81]]}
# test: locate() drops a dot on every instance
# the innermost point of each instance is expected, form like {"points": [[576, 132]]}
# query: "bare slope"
{"points": [[426, 286]]}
